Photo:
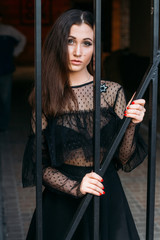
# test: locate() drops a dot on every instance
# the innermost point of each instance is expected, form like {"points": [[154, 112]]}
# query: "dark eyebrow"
{"points": [[88, 39], [83, 39], [71, 36]]}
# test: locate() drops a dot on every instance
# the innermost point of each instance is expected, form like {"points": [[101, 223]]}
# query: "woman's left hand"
{"points": [[136, 110]]}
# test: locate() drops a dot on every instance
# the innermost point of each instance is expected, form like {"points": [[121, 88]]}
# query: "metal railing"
{"points": [[150, 80], [39, 219]]}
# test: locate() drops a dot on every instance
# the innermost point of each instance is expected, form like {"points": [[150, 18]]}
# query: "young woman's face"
{"points": [[80, 47]]}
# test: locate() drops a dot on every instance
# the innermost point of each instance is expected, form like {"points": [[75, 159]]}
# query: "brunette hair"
{"points": [[56, 90]]}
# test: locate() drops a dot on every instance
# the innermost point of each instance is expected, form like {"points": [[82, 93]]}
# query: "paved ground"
{"points": [[18, 203]]}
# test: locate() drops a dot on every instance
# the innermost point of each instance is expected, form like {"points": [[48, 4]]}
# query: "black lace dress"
{"points": [[68, 155]]}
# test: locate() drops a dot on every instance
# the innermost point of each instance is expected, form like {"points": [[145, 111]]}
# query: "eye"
{"points": [[87, 43], [70, 41]]}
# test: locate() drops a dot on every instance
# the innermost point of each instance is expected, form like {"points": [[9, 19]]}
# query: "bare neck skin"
{"points": [[78, 78]]}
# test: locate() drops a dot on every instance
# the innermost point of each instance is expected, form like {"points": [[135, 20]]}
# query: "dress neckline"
{"points": [[81, 85]]}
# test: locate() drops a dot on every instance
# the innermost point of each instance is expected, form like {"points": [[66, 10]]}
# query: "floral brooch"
{"points": [[103, 88]]}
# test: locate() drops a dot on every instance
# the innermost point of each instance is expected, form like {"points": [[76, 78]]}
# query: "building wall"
{"points": [[140, 23], [13, 10], [120, 24], [130, 24], [125, 24]]}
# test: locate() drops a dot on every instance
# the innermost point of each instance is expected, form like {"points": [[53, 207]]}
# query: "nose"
{"points": [[77, 50]]}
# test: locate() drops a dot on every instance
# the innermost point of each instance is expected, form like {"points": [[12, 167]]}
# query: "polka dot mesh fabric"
{"points": [[76, 130]]}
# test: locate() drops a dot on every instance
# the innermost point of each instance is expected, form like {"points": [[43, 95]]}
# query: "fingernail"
{"points": [[102, 180], [103, 192], [100, 194], [127, 107], [103, 188], [124, 111], [125, 114], [133, 102]]}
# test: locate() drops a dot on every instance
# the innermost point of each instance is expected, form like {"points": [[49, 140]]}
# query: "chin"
{"points": [[75, 69]]}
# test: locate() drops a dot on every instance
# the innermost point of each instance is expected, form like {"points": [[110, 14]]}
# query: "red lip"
{"points": [[76, 62]]}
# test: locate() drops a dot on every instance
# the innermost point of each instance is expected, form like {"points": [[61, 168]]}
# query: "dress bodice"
{"points": [[67, 139]]}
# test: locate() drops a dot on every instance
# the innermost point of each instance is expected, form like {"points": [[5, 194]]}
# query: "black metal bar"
{"points": [[78, 216], [155, 22], [97, 14], [97, 84], [152, 124], [152, 159], [38, 120]]}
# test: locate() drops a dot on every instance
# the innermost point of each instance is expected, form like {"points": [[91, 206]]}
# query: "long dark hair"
{"points": [[56, 91]]}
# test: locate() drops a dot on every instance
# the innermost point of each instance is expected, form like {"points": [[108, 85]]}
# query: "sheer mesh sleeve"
{"points": [[128, 144], [132, 149], [53, 179], [120, 103]]}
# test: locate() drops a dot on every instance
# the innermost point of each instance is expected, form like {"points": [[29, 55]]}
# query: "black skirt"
{"points": [[116, 221]]}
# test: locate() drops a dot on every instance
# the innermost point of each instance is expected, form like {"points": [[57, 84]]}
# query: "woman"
{"points": [[67, 104]]}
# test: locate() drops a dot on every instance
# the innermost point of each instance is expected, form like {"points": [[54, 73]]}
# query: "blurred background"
{"points": [[126, 50], [126, 34]]}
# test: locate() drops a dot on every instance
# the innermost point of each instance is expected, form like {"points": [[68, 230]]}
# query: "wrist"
{"points": [[132, 123], [79, 191]]}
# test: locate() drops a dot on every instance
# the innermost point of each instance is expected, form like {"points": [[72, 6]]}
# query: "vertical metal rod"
{"points": [[155, 28], [38, 120], [78, 216], [152, 125], [97, 14], [152, 159]]}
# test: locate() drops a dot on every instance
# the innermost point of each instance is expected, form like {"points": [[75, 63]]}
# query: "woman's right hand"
{"points": [[92, 183]]}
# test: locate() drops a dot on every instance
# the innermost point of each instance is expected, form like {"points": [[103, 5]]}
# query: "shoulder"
{"points": [[8, 27], [111, 92], [112, 86], [112, 89], [7, 30]]}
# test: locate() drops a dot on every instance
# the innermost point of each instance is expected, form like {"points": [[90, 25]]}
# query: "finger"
{"points": [[96, 183], [94, 190], [139, 101], [95, 176], [87, 187], [135, 118], [91, 191], [135, 106], [136, 111]]}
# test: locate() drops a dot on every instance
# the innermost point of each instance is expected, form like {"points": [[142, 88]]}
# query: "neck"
{"points": [[78, 78]]}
